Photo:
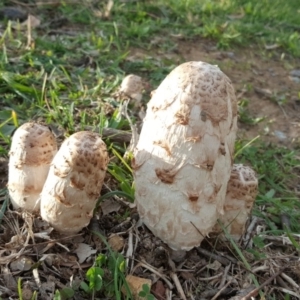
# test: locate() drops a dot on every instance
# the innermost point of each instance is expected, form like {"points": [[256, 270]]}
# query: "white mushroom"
{"points": [[183, 159], [74, 182], [32, 150], [132, 86], [242, 189]]}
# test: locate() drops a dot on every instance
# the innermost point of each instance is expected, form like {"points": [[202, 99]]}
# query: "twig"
{"points": [[290, 280], [287, 291], [211, 293], [52, 240], [210, 278], [150, 268], [222, 289], [129, 253], [224, 261], [224, 276], [254, 292], [248, 234], [178, 285]]}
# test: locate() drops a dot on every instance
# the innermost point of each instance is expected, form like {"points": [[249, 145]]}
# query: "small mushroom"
{"points": [[132, 86], [183, 159], [74, 182], [32, 150], [242, 189]]}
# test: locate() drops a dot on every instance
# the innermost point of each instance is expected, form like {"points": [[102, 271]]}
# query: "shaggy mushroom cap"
{"points": [[242, 189], [32, 150], [132, 86], [183, 159], [74, 182]]}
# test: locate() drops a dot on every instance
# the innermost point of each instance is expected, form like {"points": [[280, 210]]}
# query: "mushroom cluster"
{"points": [[183, 163], [183, 160], [65, 185]]}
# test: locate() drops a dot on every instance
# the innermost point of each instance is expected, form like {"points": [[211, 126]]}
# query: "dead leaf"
{"points": [[108, 206], [27, 293], [21, 264], [159, 290], [116, 242], [10, 281], [214, 266], [136, 285], [84, 251]]}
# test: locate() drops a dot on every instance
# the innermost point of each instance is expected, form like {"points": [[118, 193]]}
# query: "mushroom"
{"points": [[183, 158], [32, 150], [242, 189], [74, 182], [132, 86]]}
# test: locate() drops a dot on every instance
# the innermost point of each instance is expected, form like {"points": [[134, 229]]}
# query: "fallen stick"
{"points": [[254, 292]]}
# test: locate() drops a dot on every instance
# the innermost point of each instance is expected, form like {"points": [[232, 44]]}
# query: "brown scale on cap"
{"points": [[74, 182], [37, 142], [166, 176]]}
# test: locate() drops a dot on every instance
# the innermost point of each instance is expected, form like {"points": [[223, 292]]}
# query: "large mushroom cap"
{"points": [[74, 182], [32, 150], [183, 159], [242, 189]]}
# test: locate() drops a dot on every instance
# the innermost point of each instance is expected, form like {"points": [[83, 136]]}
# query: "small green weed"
{"points": [[145, 293], [244, 116], [107, 275], [101, 276], [64, 294]]}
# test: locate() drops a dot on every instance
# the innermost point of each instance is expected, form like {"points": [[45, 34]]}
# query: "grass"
{"points": [[68, 75]]}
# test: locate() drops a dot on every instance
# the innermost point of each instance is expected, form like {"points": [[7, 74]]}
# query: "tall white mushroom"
{"points": [[32, 150], [183, 159], [74, 182], [242, 189]]}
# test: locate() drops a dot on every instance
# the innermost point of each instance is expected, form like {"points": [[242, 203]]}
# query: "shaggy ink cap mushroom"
{"points": [[74, 182], [241, 192], [182, 162], [32, 150]]}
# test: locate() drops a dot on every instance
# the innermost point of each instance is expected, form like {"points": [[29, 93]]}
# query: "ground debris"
{"points": [[201, 273]]}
